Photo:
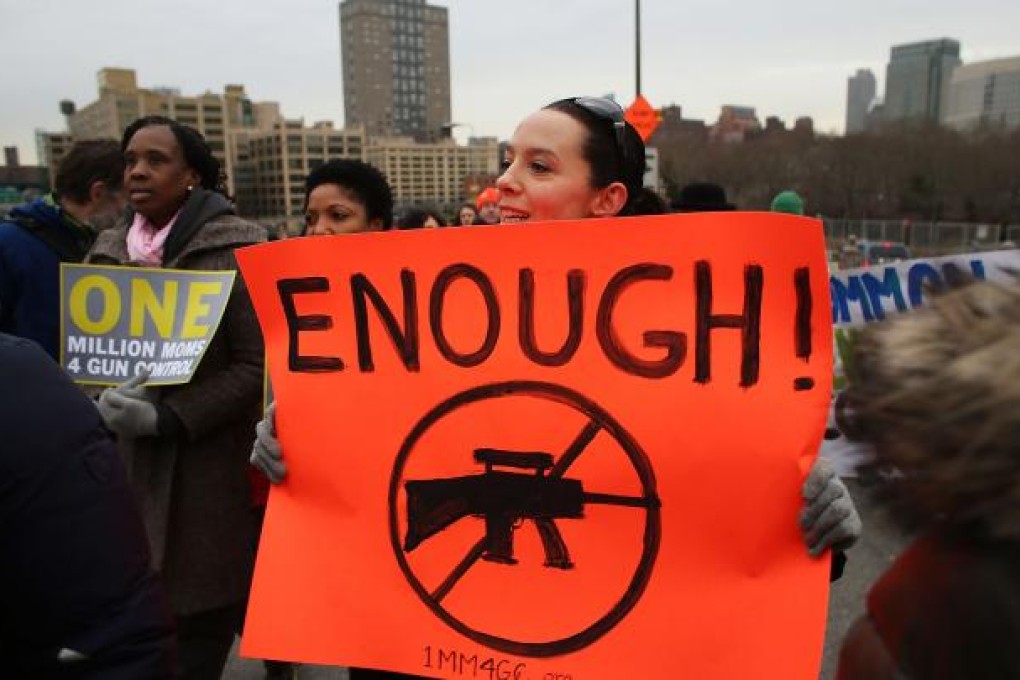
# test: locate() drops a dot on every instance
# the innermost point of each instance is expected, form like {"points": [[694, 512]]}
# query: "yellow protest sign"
{"points": [[117, 321]]}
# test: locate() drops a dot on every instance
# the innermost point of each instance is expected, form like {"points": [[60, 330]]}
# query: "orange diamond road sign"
{"points": [[643, 117]]}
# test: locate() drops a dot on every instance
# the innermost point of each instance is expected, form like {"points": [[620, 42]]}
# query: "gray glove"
{"points": [[828, 518], [126, 411], [266, 454]]}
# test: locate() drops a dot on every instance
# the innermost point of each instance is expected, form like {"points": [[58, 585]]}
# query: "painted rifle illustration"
{"points": [[504, 499]]}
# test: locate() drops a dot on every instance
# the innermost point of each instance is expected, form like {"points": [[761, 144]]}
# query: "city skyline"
{"points": [[503, 64]]}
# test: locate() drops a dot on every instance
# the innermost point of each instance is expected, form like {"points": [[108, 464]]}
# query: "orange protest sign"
{"points": [[566, 450], [643, 117]]}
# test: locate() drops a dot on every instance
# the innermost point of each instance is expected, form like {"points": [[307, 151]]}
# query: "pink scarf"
{"points": [[145, 241]]}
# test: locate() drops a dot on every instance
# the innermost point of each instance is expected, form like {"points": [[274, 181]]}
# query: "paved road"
{"points": [[876, 550], [880, 544]]}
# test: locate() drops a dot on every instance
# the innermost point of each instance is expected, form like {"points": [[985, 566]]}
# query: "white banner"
{"points": [[869, 294]]}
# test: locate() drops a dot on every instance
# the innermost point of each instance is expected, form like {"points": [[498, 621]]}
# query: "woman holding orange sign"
{"points": [[576, 159]]}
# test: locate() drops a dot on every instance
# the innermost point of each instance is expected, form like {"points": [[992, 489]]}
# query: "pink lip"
{"points": [[511, 212]]}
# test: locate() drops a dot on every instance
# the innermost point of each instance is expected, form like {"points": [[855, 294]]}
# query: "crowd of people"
{"points": [[485, 209], [139, 564]]}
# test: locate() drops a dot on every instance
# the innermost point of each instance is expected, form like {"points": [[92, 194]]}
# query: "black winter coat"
{"points": [[74, 560]]}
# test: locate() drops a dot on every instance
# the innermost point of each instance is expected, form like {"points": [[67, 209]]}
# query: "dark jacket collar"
{"points": [[40, 210], [206, 222], [69, 238], [202, 206]]}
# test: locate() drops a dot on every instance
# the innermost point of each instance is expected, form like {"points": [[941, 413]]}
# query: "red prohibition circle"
{"points": [[598, 420]]}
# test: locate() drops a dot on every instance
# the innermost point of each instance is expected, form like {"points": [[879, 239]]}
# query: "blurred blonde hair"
{"points": [[938, 392]]}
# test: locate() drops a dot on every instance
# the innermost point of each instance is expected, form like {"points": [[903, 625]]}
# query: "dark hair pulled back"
{"points": [[609, 164], [197, 153]]}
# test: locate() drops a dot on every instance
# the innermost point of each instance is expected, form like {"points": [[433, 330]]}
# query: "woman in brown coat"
{"points": [[186, 446]]}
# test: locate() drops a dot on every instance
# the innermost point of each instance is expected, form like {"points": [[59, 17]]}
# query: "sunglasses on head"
{"points": [[608, 110]]}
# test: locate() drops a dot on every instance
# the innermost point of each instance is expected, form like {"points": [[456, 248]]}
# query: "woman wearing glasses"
{"points": [[574, 159], [578, 158]]}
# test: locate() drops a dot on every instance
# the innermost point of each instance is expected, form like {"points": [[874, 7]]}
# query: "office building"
{"points": [[216, 116], [804, 126], [984, 93], [50, 149], [272, 165], [916, 79], [675, 129], [735, 124], [432, 174], [860, 93], [395, 59]]}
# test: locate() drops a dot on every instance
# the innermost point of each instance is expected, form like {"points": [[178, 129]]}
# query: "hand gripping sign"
{"points": [[118, 321], [566, 450]]}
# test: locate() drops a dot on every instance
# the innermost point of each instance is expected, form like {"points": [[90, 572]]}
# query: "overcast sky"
{"points": [[508, 57]]}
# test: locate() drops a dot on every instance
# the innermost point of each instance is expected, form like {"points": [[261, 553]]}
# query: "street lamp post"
{"points": [[637, 47]]}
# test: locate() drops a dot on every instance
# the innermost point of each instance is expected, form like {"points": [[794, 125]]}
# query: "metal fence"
{"points": [[924, 238]]}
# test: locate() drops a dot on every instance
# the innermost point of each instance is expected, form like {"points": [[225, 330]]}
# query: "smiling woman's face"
{"points": [[546, 176], [156, 175]]}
